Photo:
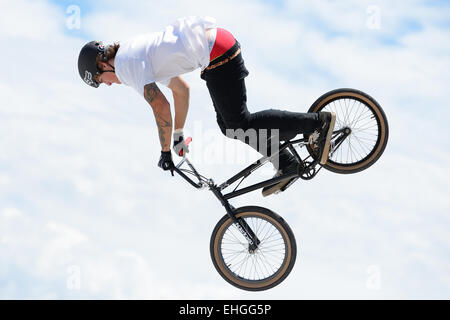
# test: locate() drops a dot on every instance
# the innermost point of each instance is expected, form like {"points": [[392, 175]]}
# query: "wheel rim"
{"points": [[265, 263]]}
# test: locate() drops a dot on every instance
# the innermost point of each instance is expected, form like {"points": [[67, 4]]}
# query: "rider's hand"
{"points": [[165, 161], [179, 145]]}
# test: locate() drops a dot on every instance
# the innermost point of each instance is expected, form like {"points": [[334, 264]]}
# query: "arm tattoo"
{"points": [[151, 90], [163, 116], [163, 127]]}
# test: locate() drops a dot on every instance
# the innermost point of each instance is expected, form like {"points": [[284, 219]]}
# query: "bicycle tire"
{"points": [[277, 223], [377, 113]]}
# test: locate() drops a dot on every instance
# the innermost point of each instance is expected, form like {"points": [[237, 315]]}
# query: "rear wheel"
{"points": [[242, 265], [361, 131]]}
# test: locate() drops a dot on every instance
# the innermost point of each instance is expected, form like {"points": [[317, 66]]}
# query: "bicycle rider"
{"points": [[188, 44]]}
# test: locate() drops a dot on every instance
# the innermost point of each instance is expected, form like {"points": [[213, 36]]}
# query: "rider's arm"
{"points": [[161, 110], [180, 91]]}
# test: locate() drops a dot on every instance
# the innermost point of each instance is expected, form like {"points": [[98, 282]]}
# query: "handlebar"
{"points": [[202, 181]]}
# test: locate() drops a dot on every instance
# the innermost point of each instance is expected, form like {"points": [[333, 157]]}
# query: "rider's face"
{"points": [[107, 78]]}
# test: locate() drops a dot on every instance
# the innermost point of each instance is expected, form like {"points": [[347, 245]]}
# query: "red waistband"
{"points": [[224, 41]]}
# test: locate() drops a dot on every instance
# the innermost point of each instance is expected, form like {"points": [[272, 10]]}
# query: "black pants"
{"points": [[226, 87]]}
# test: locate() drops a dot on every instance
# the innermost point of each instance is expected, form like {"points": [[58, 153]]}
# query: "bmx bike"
{"points": [[252, 247]]}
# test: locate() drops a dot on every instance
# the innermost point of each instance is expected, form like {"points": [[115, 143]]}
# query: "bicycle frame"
{"points": [[217, 189], [223, 198]]}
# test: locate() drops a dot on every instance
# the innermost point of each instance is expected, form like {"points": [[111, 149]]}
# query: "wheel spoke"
{"points": [[360, 119]]}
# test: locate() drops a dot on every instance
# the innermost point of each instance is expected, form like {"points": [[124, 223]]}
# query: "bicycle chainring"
{"points": [[307, 170]]}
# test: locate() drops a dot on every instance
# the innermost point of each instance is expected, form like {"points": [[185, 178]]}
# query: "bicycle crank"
{"points": [[307, 170]]}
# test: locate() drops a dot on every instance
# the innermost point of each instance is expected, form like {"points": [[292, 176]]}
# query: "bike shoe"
{"points": [[320, 139], [283, 184]]}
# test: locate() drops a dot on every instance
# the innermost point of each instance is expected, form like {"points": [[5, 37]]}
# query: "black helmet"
{"points": [[87, 65]]}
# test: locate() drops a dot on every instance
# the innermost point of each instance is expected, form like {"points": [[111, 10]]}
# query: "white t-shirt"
{"points": [[158, 57]]}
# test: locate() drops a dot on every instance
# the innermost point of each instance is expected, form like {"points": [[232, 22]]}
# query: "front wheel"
{"points": [[361, 131], [242, 265]]}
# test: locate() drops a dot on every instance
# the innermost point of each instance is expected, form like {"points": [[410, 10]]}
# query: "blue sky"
{"points": [[80, 190]]}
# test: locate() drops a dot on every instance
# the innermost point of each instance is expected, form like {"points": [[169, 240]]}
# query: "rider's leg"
{"points": [[284, 163], [289, 123], [284, 156], [230, 99], [225, 81]]}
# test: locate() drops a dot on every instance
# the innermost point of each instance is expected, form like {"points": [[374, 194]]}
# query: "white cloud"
{"points": [[79, 186], [29, 20]]}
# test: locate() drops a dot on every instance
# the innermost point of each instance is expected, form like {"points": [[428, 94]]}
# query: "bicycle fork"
{"points": [[240, 224]]}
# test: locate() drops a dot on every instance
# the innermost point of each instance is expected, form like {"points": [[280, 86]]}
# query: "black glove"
{"points": [[165, 161]]}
